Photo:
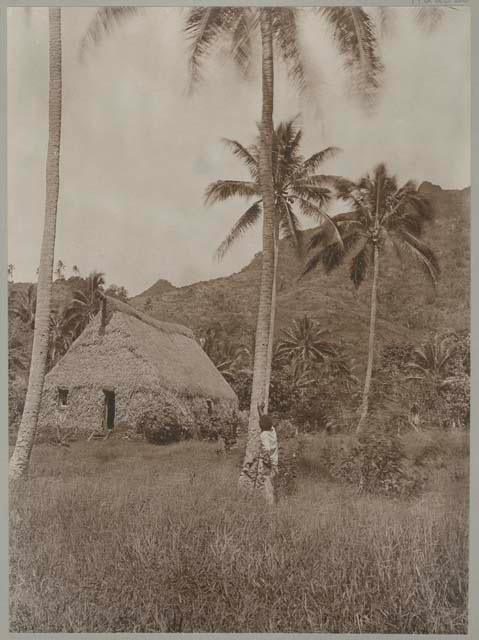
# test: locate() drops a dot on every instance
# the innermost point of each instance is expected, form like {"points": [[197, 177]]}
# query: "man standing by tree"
{"points": [[268, 463]]}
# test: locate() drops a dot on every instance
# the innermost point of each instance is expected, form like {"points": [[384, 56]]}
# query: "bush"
{"points": [[241, 385], [163, 425], [289, 446], [377, 463]]}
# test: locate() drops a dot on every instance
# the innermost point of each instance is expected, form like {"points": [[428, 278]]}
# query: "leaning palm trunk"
{"points": [[248, 477], [269, 364], [372, 334], [26, 434]]}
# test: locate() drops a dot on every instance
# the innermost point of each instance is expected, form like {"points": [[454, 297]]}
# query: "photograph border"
{"points": [[474, 435]]}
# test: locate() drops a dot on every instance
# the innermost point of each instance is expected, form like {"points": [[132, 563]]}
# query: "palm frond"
{"points": [[346, 222], [311, 210], [303, 342], [345, 188], [360, 264], [419, 250], [204, 27], [311, 189], [408, 208], [431, 361], [291, 227], [224, 189], [285, 36], [421, 204], [244, 154], [286, 157], [105, 20], [312, 164], [249, 218], [355, 35], [332, 255], [241, 47]]}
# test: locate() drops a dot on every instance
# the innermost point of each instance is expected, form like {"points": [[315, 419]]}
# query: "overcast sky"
{"points": [[137, 152]]}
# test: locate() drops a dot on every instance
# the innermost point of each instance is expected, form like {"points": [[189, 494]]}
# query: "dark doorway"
{"points": [[109, 410]]}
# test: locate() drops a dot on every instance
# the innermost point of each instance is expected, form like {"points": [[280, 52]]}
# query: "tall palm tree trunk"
{"points": [[269, 364], [248, 477], [372, 336], [26, 434]]}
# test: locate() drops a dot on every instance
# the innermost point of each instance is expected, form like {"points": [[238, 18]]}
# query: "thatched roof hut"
{"points": [[122, 364]]}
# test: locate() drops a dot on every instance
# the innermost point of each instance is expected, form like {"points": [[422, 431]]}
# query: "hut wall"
{"points": [[85, 406], [83, 412]]}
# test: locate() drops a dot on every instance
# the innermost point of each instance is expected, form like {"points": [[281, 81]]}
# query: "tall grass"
{"points": [[130, 537]]}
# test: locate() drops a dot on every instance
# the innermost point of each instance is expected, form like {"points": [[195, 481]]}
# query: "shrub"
{"points": [[211, 426], [377, 463], [242, 383], [289, 447], [163, 424]]}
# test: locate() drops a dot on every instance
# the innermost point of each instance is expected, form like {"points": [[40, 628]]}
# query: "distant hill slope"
{"points": [[159, 288], [62, 292], [408, 308]]}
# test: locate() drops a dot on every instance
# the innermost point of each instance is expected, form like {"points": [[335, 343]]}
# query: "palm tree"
{"points": [[301, 374], [431, 363], [297, 187], [26, 433], [353, 30], [60, 269], [304, 342], [60, 338], [25, 305], [85, 304], [11, 269], [227, 356], [382, 214]]}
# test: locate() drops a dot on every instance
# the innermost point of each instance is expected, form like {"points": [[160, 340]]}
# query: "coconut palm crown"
{"points": [[85, 304], [298, 188], [382, 214]]}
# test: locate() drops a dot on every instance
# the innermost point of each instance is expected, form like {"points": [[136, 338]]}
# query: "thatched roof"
{"points": [[138, 351]]}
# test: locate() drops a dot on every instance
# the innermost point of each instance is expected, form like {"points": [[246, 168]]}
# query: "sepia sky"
{"points": [[138, 152]]}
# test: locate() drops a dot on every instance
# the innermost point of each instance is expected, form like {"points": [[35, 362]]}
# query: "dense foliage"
{"points": [[76, 301], [163, 424]]}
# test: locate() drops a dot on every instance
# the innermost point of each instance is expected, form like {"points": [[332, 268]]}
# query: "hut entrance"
{"points": [[109, 410]]}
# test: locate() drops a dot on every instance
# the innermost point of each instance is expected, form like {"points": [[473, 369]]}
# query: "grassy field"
{"points": [[127, 537]]}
